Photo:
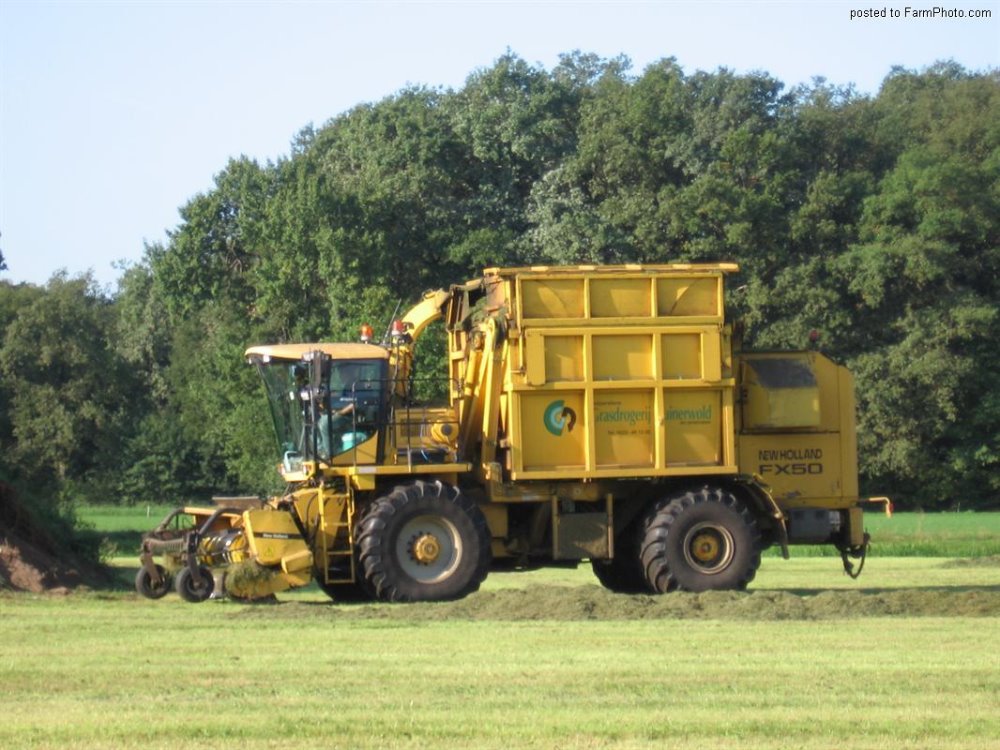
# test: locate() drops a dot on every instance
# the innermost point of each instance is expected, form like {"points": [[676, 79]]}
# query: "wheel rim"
{"points": [[199, 586], [158, 589], [429, 548], [199, 582], [152, 590], [708, 548]]}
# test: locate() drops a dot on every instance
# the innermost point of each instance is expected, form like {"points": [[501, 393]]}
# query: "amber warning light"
{"points": [[366, 333]]}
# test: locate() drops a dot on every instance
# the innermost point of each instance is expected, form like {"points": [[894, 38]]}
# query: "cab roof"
{"points": [[296, 352]]}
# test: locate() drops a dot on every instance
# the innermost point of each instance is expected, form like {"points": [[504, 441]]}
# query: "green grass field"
{"points": [[907, 656]]}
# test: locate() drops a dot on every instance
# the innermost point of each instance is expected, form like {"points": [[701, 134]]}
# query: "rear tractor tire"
{"points": [[194, 586], [424, 541], [700, 540]]}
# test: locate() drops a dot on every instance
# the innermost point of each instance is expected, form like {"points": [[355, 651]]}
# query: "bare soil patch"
{"points": [[23, 567], [30, 558]]}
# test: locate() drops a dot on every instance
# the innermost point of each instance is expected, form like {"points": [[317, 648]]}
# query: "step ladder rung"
{"points": [[340, 541]]}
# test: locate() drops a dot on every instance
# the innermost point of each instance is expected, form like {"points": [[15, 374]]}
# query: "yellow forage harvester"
{"points": [[585, 413]]}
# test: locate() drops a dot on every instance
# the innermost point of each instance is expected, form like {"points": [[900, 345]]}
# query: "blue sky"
{"points": [[114, 114]]}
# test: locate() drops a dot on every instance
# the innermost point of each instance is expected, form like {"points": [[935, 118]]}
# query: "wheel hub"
{"points": [[705, 548], [709, 548], [429, 548], [426, 549]]}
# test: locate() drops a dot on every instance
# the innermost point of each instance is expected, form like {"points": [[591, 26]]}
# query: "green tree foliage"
{"points": [[924, 282], [216, 246], [67, 389], [64, 409], [872, 219]]}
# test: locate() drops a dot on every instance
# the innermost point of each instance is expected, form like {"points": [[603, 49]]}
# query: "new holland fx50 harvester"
{"points": [[593, 413]]}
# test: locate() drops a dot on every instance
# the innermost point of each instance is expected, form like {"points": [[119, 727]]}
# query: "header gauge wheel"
{"points": [[150, 589], [194, 586]]}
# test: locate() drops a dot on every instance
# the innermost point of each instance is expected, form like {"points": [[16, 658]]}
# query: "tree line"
{"points": [[872, 219]]}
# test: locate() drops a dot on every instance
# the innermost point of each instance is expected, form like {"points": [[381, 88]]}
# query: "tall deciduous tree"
{"points": [[923, 281], [67, 391]]}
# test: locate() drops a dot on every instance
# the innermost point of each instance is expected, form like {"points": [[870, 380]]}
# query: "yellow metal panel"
{"points": [[711, 355], [848, 435], [681, 296], [496, 519], [272, 535], [682, 356], [590, 443], [363, 482], [359, 475], [693, 425], [553, 430], [728, 427], [623, 429], [620, 298], [552, 298], [296, 562], [535, 358], [623, 357], [563, 359], [680, 269], [617, 473], [802, 441], [605, 345], [801, 468]]}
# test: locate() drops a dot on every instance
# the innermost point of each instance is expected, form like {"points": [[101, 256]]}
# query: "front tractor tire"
{"points": [[423, 542], [700, 540]]}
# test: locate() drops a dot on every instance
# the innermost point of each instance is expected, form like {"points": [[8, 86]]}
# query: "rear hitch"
{"points": [[856, 552]]}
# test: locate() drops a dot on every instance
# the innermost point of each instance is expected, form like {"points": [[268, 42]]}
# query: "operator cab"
{"points": [[328, 401]]}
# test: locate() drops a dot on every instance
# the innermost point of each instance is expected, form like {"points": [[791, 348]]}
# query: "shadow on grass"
{"points": [[120, 542]]}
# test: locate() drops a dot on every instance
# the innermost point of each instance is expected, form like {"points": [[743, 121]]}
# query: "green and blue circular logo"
{"points": [[559, 417]]}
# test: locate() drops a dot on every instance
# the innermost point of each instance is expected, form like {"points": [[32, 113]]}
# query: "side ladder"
{"points": [[336, 530]]}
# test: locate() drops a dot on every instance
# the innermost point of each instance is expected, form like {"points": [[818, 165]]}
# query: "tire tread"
{"points": [[374, 546], [657, 538]]}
